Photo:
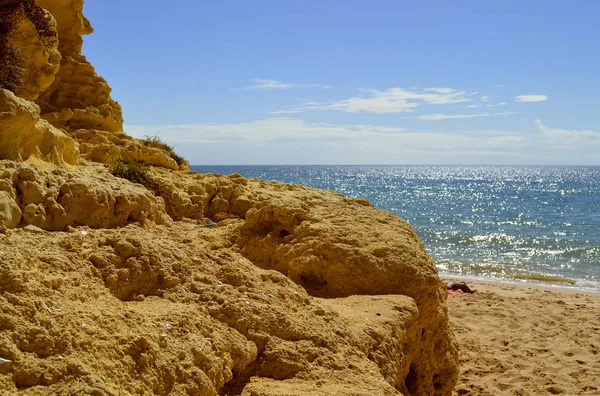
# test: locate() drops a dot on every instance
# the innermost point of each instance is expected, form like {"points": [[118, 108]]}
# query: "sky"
{"points": [[356, 82]]}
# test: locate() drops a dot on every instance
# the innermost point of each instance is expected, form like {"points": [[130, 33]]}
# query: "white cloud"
{"points": [[440, 90], [531, 98], [283, 112], [437, 117], [496, 105], [484, 98], [296, 141], [471, 106], [270, 129], [392, 100], [274, 84], [568, 139]]}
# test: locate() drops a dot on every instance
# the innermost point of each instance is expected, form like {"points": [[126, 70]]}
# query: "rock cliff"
{"points": [[152, 279]]}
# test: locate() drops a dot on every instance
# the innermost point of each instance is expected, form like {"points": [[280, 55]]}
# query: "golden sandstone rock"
{"points": [[185, 284], [43, 60], [78, 98], [23, 134]]}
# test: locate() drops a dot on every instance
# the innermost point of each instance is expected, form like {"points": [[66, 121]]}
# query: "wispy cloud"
{"points": [[328, 142], [531, 98], [276, 128], [437, 117], [276, 140], [274, 84], [563, 139], [440, 90], [392, 100], [283, 112], [496, 105], [484, 98]]}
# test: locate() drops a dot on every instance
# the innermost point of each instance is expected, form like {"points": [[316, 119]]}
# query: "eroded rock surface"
{"points": [[43, 60], [177, 310], [190, 284], [24, 135], [72, 105], [54, 199], [111, 147], [78, 97]]}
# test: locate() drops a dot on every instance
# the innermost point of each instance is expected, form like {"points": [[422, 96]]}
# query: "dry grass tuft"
{"points": [[137, 173], [156, 142]]}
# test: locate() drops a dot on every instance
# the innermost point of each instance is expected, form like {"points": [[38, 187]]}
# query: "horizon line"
{"points": [[581, 165]]}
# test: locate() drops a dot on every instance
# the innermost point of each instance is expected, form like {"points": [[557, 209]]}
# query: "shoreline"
{"points": [[554, 286], [523, 339]]}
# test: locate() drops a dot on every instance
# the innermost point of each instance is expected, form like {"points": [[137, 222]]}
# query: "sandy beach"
{"points": [[518, 339]]}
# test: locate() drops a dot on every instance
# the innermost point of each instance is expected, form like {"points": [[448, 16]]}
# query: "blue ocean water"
{"points": [[523, 223]]}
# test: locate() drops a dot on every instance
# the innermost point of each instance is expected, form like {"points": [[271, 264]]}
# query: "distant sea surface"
{"points": [[516, 223]]}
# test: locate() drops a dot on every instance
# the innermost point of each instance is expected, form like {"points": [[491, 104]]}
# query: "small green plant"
{"points": [[132, 171], [156, 142], [137, 173]]}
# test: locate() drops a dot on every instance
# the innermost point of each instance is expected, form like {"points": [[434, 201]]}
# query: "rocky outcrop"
{"points": [[380, 329], [334, 247], [111, 147], [29, 58], [78, 98], [43, 57], [173, 310], [189, 284], [24, 135], [72, 103], [58, 199]]}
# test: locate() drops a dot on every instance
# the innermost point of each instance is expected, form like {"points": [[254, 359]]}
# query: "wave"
{"points": [[545, 278], [576, 253], [507, 272]]}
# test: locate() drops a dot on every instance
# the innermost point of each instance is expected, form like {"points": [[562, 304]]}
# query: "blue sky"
{"points": [[356, 82]]}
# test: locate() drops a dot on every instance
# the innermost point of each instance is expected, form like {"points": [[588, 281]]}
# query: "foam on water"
{"points": [[506, 222]]}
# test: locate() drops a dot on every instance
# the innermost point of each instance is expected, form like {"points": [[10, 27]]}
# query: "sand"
{"points": [[518, 339]]}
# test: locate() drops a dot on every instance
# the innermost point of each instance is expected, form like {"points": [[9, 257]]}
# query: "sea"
{"points": [[530, 224]]}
